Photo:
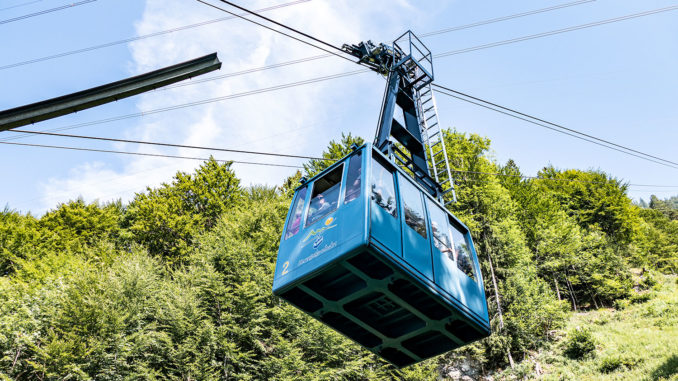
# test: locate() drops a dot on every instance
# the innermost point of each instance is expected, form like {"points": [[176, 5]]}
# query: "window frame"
{"points": [[361, 176], [419, 194], [307, 221], [378, 160], [430, 204], [454, 225], [299, 201]]}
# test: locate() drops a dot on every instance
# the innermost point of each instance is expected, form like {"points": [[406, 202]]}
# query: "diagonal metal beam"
{"points": [[81, 100]]}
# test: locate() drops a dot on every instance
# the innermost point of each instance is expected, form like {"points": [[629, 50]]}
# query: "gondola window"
{"points": [[383, 188], [297, 208], [414, 208], [325, 196]]}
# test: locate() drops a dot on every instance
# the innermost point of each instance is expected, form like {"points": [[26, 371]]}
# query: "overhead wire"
{"points": [[268, 154], [173, 145], [504, 18], [577, 134], [147, 154], [218, 77], [200, 102], [142, 37], [190, 26], [452, 52], [429, 34], [23, 17], [279, 24], [351, 73], [554, 32], [553, 126], [20, 5], [275, 30], [448, 53], [557, 179]]}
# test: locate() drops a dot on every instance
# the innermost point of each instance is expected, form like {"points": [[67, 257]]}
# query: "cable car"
{"points": [[368, 247], [367, 251]]}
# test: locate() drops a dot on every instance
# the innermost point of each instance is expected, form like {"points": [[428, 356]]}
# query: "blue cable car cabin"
{"points": [[370, 253]]}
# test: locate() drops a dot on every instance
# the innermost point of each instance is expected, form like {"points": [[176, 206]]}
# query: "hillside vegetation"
{"points": [[636, 341], [176, 284]]}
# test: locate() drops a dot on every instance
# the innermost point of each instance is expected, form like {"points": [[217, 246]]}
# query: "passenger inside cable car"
{"points": [[325, 195]]}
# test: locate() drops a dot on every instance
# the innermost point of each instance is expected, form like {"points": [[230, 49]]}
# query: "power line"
{"points": [[243, 72], [504, 18], [433, 33], [351, 73], [545, 124], [45, 11], [628, 188], [282, 25], [267, 154], [168, 31], [452, 52], [591, 138], [558, 179], [302, 156], [20, 5], [204, 101], [148, 154], [469, 49], [445, 54], [557, 31], [170, 145], [132, 39], [472, 48], [275, 30]]}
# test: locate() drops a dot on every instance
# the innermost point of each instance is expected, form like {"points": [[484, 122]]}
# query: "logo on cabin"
{"points": [[313, 233], [318, 241]]}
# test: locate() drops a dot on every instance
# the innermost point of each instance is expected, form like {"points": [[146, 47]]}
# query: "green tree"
{"points": [[18, 233], [86, 223], [668, 207], [69, 230], [167, 219], [334, 152], [522, 307], [656, 244], [593, 198]]}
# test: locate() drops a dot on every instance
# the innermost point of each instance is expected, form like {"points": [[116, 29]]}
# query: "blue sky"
{"points": [[616, 81]]}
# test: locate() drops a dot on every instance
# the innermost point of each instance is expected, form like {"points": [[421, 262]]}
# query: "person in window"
{"points": [[439, 239], [464, 261], [296, 223], [353, 190], [378, 193], [318, 206], [332, 195]]}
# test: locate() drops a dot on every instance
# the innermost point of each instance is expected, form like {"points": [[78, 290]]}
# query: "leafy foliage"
{"points": [[579, 344], [335, 151], [167, 219]]}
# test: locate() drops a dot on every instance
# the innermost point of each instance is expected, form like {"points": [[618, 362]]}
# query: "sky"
{"points": [[617, 81]]}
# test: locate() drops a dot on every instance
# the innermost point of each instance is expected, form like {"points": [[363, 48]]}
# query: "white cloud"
{"points": [[298, 120]]}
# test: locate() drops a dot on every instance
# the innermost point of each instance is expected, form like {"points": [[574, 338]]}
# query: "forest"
{"points": [[176, 283]]}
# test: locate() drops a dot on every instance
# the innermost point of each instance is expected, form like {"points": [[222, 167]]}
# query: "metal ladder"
{"points": [[432, 136]]}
